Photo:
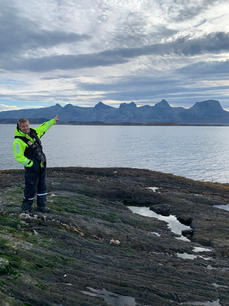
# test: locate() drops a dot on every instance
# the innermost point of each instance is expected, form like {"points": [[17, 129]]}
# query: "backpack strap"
{"points": [[34, 149], [26, 140], [32, 134]]}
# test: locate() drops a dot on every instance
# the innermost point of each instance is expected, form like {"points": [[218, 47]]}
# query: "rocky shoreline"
{"points": [[93, 250]]}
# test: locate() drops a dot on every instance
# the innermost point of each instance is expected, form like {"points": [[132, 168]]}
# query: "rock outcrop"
{"points": [[92, 250]]}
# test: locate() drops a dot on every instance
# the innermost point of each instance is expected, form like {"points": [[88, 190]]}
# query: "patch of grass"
{"points": [[36, 265], [10, 260], [29, 237], [42, 285], [69, 205], [111, 217], [3, 284], [9, 270], [10, 264], [46, 264], [3, 242], [129, 250], [8, 229], [9, 221], [13, 195], [63, 204]]}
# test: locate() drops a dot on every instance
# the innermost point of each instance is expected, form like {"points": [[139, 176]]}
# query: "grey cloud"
{"points": [[209, 69], [186, 10], [18, 34], [140, 88], [40, 96], [134, 32], [213, 43], [128, 83], [163, 32], [56, 77], [130, 32], [63, 62], [166, 92], [131, 39]]}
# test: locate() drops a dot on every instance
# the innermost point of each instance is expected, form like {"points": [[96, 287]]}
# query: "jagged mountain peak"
{"points": [[102, 106], [162, 104], [68, 106], [130, 105]]}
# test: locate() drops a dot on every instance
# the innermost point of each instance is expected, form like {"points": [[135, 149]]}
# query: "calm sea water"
{"points": [[196, 152]]}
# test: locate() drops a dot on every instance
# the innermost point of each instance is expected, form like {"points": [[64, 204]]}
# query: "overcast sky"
{"points": [[85, 51]]}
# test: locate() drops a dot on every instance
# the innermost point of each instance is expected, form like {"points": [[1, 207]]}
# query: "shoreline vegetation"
{"points": [[92, 250]]}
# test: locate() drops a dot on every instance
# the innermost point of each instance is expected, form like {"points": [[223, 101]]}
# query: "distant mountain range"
{"points": [[208, 112]]}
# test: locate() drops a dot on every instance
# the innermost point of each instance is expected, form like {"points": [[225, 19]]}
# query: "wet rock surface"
{"points": [[92, 250]]}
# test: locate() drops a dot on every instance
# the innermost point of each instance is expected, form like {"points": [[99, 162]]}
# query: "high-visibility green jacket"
{"points": [[19, 145]]}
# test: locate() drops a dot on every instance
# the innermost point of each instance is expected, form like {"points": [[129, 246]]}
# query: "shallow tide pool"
{"points": [[173, 224]]}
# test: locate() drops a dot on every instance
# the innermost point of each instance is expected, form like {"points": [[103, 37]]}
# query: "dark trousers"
{"points": [[35, 183]]}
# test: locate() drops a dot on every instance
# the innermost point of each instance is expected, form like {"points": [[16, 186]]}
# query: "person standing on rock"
{"points": [[28, 152]]}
